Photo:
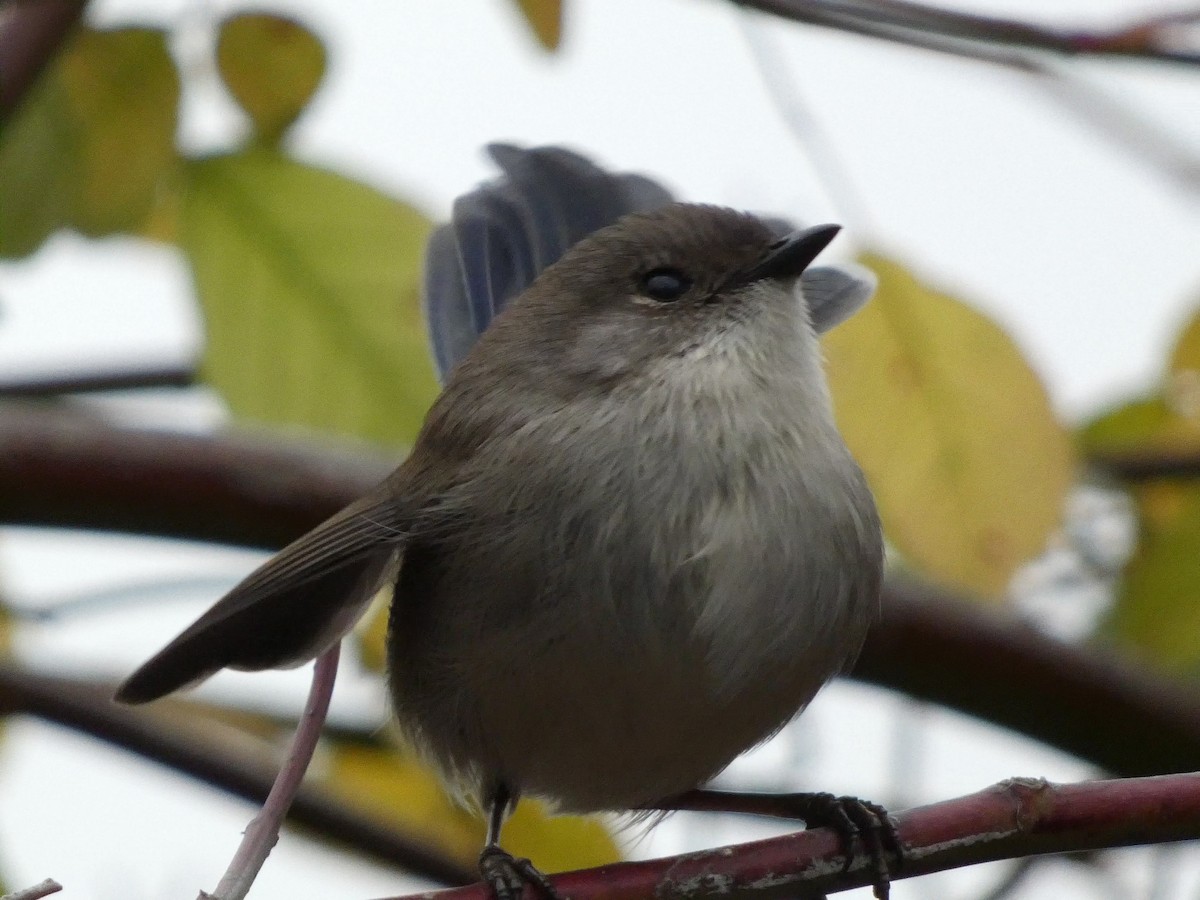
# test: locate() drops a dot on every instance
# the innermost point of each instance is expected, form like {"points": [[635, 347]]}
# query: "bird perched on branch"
{"points": [[629, 542]]}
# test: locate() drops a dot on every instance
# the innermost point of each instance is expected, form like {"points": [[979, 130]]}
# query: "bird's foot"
{"points": [[854, 820], [507, 875]]}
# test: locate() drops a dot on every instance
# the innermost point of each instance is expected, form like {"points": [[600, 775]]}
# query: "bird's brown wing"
{"points": [[290, 609]]}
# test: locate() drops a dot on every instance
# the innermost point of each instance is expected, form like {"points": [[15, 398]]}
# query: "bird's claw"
{"points": [[507, 875], [858, 820]]}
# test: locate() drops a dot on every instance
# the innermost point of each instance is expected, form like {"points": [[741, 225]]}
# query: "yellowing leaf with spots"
{"points": [[393, 786], [968, 463], [309, 286]]}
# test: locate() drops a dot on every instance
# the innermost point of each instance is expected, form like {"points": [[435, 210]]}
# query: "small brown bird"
{"points": [[629, 543]]}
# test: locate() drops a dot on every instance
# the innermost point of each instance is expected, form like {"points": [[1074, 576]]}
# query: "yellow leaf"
{"points": [[272, 66], [545, 18], [123, 91], [968, 463], [371, 633], [558, 843], [309, 284], [94, 145], [393, 786]]}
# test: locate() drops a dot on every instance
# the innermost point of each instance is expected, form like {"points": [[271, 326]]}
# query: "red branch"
{"points": [[61, 467], [1016, 818]]}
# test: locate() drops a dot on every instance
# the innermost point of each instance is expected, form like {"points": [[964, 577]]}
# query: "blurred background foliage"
{"points": [[308, 283]]}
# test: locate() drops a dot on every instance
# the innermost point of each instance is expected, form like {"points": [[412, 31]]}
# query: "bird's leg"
{"points": [[851, 818], [506, 874]]}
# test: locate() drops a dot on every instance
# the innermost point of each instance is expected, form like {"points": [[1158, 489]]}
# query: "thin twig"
{"points": [[898, 20], [43, 386], [1100, 111], [262, 833], [810, 136], [1122, 125], [187, 747]]}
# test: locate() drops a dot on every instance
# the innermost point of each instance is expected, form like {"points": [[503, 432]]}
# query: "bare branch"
{"points": [[62, 467], [44, 386], [261, 835]]}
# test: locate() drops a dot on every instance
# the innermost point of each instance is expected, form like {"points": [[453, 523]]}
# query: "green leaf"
{"points": [[1158, 609], [38, 174], [1145, 423], [545, 18], [309, 286], [968, 463], [272, 66], [94, 143]]}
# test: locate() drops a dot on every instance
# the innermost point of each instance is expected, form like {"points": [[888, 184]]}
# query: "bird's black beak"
{"points": [[789, 257]]}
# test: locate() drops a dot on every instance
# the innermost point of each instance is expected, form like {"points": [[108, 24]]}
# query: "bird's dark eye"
{"points": [[665, 285]]}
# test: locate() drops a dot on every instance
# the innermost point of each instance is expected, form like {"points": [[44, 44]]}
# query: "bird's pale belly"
{"points": [[597, 718], [645, 732]]}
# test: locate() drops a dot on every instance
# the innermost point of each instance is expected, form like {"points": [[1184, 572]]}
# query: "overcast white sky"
{"points": [[973, 176]]}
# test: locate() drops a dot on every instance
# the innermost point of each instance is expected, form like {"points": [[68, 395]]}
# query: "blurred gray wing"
{"points": [[834, 294], [289, 610], [505, 233]]}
